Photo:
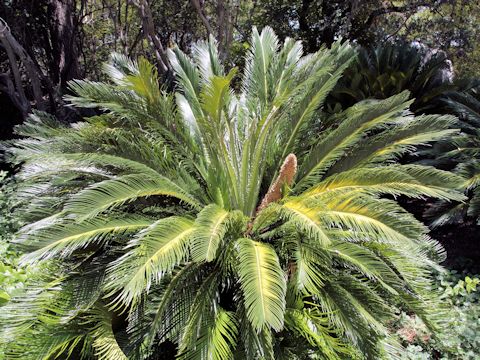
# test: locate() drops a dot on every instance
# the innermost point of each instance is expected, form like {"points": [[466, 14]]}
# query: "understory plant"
{"points": [[11, 276], [224, 221], [462, 339]]}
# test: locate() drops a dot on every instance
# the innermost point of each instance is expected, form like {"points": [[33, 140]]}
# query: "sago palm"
{"points": [[462, 155], [388, 69], [219, 222]]}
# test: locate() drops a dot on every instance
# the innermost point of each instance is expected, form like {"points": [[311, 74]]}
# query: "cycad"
{"points": [[388, 69], [462, 155], [219, 220]]}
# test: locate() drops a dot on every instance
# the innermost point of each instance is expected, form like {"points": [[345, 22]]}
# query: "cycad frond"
{"points": [[359, 120], [211, 225], [217, 338], [104, 343], [112, 193], [64, 237], [392, 180], [263, 284], [316, 329], [153, 252]]}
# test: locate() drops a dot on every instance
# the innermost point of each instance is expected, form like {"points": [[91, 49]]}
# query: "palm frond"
{"points": [[104, 343], [113, 193], [263, 284], [211, 225], [155, 251], [65, 236]]}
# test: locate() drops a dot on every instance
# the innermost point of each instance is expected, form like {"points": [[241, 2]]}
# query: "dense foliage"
{"points": [[462, 340], [225, 221], [462, 154]]}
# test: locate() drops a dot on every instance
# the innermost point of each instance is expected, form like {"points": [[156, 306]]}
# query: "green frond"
{"points": [[92, 94], [214, 97], [357, 122], [391, 180], [105, 161], [153, 252], [201, 312], [420, 131], [257, 81], [38, 322], [367, 263], [255, 344], [316, 329], [305, 218], [312, 265], [311, 93], [217, 338], [207, 59], [356, 310], [188, 79], [263, 284], [120, 66], [211, 226], [127, 188], [104, 342], [377, 219], [144, 82], [65, 235], [60, 341], [168, 313]]}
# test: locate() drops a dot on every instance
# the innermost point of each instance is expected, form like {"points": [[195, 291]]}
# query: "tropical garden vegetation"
{"points": [[247, 196]]}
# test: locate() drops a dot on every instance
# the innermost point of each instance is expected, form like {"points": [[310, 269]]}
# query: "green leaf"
{"points": [[263, 284], [154, 251], [4, 297], [113, 193], [65, 236], [211, 226]]}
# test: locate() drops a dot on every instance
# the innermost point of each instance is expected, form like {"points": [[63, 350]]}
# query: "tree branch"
{"points": [[201, 14], [149, 29]]}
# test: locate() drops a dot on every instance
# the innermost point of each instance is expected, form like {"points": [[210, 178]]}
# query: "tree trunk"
{"points": [[149, 30], [15, 89], [65, 66]]}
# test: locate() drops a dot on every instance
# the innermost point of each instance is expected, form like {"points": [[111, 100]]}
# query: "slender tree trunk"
{"points": [[149, 30], [64, 41], [199, 8]]}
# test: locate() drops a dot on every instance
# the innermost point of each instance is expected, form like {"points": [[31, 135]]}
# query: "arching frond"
{"points": [[166, 314], [104, 343], [359, 119], [305, 219], [316, 329], [210, 227], [263, 284], [65, 236], [312, 266], [391, 180], [380, 220], [201, 312], [216, 340], [350, 305], [367, 263], [127, 188], [153, 252]]}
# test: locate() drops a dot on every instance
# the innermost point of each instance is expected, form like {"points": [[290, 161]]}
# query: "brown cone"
{"points": [[286, 176]]}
